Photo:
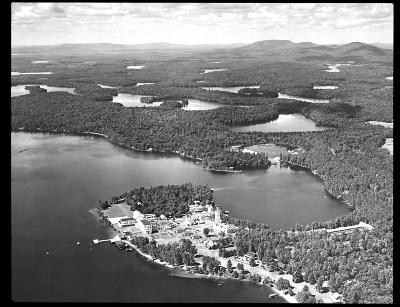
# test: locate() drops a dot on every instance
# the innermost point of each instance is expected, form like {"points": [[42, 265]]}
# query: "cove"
{"points": [[284, 123], [129, 100], [234, 89], [19, 90]]}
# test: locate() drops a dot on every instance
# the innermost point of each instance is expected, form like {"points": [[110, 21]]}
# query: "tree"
{"points": [[206, 231], [332, 283], [229, 266], [320, 282], [311, 279], [240, 266], [252, 262]]}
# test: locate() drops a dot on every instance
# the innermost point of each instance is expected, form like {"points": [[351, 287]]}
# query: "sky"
{"points": [[200, 23]]}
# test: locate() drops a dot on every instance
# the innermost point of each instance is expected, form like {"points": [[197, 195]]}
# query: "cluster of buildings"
{"points": [[149, 223]]}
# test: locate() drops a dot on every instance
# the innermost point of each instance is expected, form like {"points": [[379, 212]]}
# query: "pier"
{"points": [[113, 240]]}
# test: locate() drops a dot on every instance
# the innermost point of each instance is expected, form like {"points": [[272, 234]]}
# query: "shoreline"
{"points": [[196, 160], [185, 273]]}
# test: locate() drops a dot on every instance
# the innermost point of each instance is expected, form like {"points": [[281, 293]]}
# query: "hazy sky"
{"points": [[199, 23]]}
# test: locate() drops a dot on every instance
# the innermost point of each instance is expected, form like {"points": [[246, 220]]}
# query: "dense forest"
{"points": [[171, 200], [348, 157], [359, 265]]}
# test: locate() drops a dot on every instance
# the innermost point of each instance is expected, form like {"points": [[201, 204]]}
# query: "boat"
{"points": [[273, 295]]}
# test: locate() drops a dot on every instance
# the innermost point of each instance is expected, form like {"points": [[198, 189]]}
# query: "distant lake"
{"points": [[19, 90], [303, 99], [196, 104], [324, 87], [129, 100], [284, 123], [59, 178], [135, 67], [206, 71], [105, 86], [144, 83], [40, 62], [384, 124], [234, 89], [389, 78], [334, 67], [389, 145], [14, 73]]}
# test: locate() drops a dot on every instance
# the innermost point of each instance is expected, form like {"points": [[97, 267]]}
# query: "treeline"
{"points": [[199, 134], [170, 200], [95, 92], [360, 262], [181, 253]]}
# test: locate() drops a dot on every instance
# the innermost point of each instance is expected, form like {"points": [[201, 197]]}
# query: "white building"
{"points": [[218, 215], [137, 215], [127, 221], [149, 216], [145, 226]]}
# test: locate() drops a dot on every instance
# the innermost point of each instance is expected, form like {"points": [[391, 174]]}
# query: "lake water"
{"points": [[40, 62], [389, 78], [206, 71], [334, 67], [135, 67], [234, 89], [389, 145], [14, 73], [324, 87], [19, 90], [128, 100], [105, 86], [384, 124], [284, 96], [58, 179], [144, 83], [284, 123], [196, 104]]}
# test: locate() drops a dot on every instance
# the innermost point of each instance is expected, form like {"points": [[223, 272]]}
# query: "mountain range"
{"points": [[277, 49]]}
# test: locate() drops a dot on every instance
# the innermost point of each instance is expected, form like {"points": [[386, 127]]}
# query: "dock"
{"points": [[113, 240]]}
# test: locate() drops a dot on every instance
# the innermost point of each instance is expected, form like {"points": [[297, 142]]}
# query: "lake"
{"points": [[128, 100], [144, 83], [59, 178], [40, 62], [284, 123], [284, 96], [389, 78], [135, 67], [105, 86], [389, 145], [206, 71], [324, 87], [14, 73], [19, 90], [233, 89], [384, 124], [334, 67]]}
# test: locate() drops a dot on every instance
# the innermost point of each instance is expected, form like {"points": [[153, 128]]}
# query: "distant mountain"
{"points": [[114, 48], [284, 49], [383, 45]]}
